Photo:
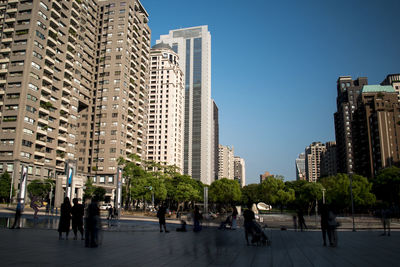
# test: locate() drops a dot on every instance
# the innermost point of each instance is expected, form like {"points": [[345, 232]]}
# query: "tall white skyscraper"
{"points": [[193, 45], [226, 163], [166, 108]]}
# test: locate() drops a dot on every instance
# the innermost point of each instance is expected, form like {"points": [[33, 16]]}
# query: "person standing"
{"points": [[234, 218], [386, 214], [77, 212], [324, 224], [197, 217], [248, 216], [65, 219], [110, 213], [92, 224], [161, 218], [332, 225], [18, 213]]}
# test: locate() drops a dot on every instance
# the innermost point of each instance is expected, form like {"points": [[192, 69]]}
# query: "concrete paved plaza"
{"points": [[142, 244]]}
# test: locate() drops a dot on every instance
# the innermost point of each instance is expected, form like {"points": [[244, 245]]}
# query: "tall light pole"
{"points": [[323, 195], [352, 200]]}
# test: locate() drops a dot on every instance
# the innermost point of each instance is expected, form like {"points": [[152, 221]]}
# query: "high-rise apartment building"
{"points": [[377, 130], [73, 83], [328, 160], [301, 167], [240, 171], [313, 155], [348, 91], [166, 110], [226, 162], [394, 81], [193, 45], [216, 139]]}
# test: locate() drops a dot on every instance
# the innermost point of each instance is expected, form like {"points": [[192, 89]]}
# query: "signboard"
{"points": [[69, 172], [119, 190], [23, 183]]}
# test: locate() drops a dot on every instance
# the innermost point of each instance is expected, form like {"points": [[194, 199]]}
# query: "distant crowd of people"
{"points": [[86, 220]]}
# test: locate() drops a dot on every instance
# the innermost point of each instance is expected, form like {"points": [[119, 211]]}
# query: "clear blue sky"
{"points": [[275, 66]]}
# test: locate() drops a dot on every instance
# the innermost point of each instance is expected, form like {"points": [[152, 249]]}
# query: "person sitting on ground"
{"points": [[182, 228], [248, 216], [226, 223]]}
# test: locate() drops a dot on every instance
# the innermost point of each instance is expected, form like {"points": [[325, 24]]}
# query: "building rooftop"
{"points": [[162, 46], [378, 88]]}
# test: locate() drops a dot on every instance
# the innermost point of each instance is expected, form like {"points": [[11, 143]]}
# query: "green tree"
{"points": [[386, 185], [306, 193], [89, 189], [251, 194], [338, 191], [285, 196], [39, 188], [269, 190], [5, 186], [99, 193], [225, 191]]}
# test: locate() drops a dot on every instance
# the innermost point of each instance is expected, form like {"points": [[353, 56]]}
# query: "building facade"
{"points": [[216, 139], [394, 81], [166, 110], [377, 130], [226, 162], [73, 88], [240, 171], [193, 45], [301, 167], [313, 154], [328, 160], [348, 91]]}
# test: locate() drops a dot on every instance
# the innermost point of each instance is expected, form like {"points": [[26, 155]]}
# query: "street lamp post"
{"points": [[352, 200], [323, 195]]}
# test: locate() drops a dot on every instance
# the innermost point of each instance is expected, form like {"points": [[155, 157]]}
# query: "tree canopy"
{"points": [[225, 191]]}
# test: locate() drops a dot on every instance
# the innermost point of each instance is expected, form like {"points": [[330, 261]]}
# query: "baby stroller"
{"points": [[259, 237]]}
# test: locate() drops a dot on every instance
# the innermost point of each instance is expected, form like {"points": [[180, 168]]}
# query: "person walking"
{"points": [[161, 218], [18, 212], [302, 222], [197, 217], [249, 217], [35, 206], [65, 219], [77, 212], [325, 225]]}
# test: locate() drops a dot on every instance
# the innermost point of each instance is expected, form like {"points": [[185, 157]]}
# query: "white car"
{"points": [[105, 206]]}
